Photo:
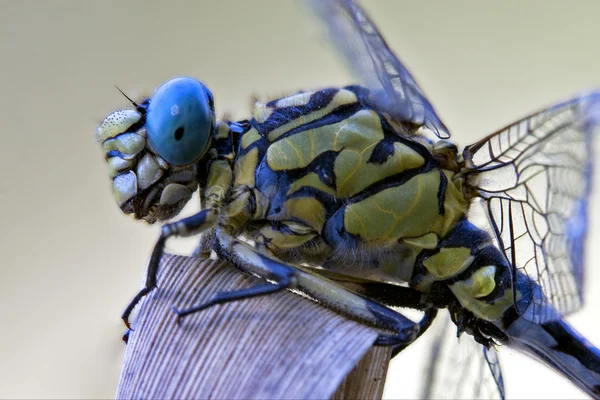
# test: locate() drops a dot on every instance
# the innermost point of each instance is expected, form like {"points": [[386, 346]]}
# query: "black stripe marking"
{"points": [[569, 343], [391, 133], [337, 115], [284, 115], [442, 193], [389, 182], [323, 165], [382, 151]]}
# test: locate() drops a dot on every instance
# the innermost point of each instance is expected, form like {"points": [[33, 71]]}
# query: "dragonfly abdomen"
{"points": [[474, 269]]}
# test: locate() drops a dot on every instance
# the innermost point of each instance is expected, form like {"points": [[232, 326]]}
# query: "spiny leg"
{"points": [[400, 296], [250, 261], [219, 180], [185, 227], [323, 290], [226, 297], [204, 245], [218, 183], [396, 296], [266, 237], [424, 324], [390, 295]]}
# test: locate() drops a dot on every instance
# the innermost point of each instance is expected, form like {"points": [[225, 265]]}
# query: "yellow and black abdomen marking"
{"points": [[474, 269]]}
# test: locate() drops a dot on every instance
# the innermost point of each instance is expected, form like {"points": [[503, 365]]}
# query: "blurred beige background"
{"points": [[71, 261]]}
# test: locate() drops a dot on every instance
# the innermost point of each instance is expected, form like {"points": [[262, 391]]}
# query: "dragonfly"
{"points": [[356, 197]]}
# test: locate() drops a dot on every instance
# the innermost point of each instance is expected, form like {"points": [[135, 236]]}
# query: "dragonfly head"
{"points": [[152, 151]]}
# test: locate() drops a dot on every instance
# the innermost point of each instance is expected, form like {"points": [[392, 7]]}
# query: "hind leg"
{"points": [[287, 276]]}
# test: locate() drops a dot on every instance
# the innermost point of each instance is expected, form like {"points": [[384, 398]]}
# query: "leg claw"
{"points": [[179, 316], [126, 322]]}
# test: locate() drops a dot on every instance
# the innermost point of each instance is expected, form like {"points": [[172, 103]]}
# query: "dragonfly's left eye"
{"points": [[180, 120]]}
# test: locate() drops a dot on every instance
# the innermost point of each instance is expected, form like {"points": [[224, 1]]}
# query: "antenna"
{"points": [[136, 105]]}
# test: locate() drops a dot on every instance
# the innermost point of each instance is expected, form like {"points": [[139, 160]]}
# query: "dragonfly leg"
{"points": [[191, 225], [334, 296], [394, 296], [390, 294], [226, 297], [125, 337], [204, 245], [247, 259], [424, 324]]}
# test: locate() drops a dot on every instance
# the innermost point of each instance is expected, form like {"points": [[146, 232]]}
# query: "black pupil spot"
{"points": [[179, 133]]}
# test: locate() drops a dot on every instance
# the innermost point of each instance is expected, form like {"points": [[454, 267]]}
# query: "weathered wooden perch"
{"points": [[273, 347]]}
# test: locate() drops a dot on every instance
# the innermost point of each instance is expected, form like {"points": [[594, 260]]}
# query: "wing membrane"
{"points": [[395, 90], [536, 177], [460, 369]]}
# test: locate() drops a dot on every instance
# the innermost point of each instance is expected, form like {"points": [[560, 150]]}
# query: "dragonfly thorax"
{"points": [[332, 181]]}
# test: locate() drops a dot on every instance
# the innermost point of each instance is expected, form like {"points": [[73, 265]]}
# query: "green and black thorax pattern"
{"points": [[329, 153], [323, 177]]}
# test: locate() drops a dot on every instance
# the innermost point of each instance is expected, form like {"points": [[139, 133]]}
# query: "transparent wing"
{"points": [[395, 90], [460, 369], [535, 176], [495, 371]]}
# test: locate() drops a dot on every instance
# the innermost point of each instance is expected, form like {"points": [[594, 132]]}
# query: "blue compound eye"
{"points": [[179, 120]]}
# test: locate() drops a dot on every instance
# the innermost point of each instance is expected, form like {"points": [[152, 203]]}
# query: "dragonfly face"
{"points": [[152, 151], [362, 182]]}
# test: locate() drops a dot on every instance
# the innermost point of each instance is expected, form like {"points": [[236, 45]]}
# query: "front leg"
{"points": [[189, 226], [286, 276], [205, 245]]}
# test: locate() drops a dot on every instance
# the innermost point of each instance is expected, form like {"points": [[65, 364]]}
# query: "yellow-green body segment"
{"points": [[323, 177]]}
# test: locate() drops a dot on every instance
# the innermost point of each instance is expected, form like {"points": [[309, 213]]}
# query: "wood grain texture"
{"points": [[277, 346]]}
